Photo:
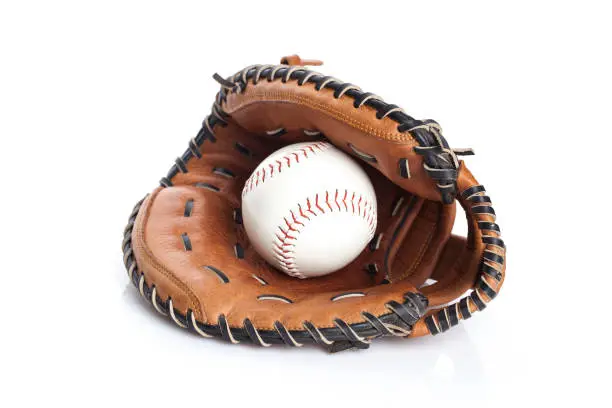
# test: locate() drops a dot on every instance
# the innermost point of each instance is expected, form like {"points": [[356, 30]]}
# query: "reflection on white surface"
{"points": [[444, 368], [451, 359]]}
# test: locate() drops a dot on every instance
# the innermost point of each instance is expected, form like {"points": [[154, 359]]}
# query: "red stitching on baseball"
{"points": [[262, 174], [284, 248], [285, 234], [317, 204], [302, 212], [327, 201], [295, 219], [279, 248], [310, 207], [289, 225]]}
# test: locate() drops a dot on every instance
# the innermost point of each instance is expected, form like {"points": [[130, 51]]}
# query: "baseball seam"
{"points": [[286, 240], [264, 173]]}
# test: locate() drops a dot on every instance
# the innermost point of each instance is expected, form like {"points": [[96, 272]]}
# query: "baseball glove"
{"points": [[186, 251]]}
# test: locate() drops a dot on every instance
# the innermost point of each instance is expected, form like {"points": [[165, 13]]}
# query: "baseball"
{"points": [[309, 209]]}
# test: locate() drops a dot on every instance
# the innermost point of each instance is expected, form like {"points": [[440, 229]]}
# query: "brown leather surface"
{"points": [[458, 269], [416, 245], [179, 274], [296, 60], [272, 105]]}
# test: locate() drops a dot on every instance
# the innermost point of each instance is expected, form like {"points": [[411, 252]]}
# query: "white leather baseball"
{"points": [[309, 209]]}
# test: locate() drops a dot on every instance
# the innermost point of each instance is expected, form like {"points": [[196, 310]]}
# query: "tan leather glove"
{"points": [[185, 247]]}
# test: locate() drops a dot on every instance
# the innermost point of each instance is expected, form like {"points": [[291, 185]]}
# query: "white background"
{"points": [[98, 98]]}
